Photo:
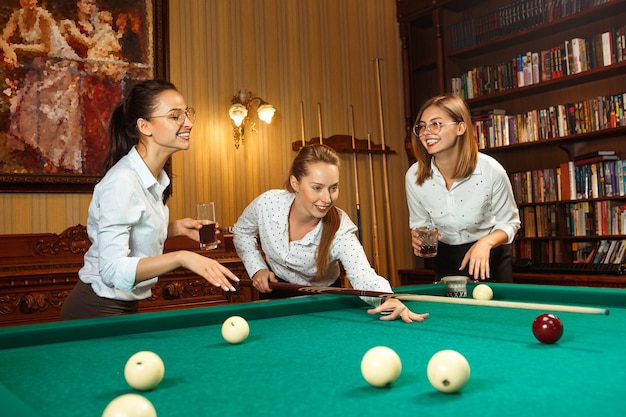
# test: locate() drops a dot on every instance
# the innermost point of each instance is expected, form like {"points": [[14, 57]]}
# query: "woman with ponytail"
{"points": [[303, 236], [128, 220]]}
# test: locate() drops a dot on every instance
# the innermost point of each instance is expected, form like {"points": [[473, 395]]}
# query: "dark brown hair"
{"points": [[123, 131]]}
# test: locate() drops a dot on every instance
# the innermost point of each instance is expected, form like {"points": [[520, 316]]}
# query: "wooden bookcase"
{"points": [[438, 46]]}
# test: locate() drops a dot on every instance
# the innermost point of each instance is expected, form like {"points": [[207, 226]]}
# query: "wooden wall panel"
{"points": [[287, 52]]}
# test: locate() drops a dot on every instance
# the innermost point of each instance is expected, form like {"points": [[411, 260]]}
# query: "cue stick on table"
{"points": [[433, 298]]}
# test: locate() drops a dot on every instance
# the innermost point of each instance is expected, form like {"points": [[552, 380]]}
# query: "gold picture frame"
{"points": [[63, 67]]}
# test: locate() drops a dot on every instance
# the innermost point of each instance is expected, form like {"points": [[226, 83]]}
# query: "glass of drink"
{"points": [[430, 239], [208, 237]]}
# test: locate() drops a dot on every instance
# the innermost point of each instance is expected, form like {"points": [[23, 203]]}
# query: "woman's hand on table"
{"points": [[392, 308]]}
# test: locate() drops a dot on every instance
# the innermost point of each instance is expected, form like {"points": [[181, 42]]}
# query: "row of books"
{"points": [[537, 186], [543, 251], [572, 56], [603, 252], [494, 128], [539, 221], [593, 177], [595, 218], [513, 17], [606, 252]]}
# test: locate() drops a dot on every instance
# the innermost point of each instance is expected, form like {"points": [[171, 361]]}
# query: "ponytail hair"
{"points": [[331, 221], [123, 130], [139, 104]]}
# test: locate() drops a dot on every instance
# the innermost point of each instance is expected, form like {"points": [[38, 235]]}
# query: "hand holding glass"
{"points": [[429, 237], [208, 236]]}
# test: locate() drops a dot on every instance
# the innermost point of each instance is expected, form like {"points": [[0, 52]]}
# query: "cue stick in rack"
{"points": [[390, 245], [356, 179], [284, 286], [302, 123], [373, 206], [319, 119]]}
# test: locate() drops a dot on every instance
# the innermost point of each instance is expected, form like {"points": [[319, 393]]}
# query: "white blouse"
{"points": [[474, 207], [294, 261]]}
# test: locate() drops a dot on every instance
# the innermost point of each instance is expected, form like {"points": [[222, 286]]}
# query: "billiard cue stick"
{"points": [[319, 120], [390, 245], [302, 123], [356, 179], [433, 298], [373, 207]]}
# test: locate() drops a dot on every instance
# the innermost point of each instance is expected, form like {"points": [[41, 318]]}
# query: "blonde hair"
{"points": [[457, 110], [331, 221]]}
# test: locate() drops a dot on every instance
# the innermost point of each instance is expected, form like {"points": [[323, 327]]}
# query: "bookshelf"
{"points": [[540, 104]]}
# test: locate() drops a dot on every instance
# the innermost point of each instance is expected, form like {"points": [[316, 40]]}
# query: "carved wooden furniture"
{"points": [[37, 272]]}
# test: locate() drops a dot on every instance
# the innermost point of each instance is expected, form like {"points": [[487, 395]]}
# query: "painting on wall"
{"points": [[64, 66]]}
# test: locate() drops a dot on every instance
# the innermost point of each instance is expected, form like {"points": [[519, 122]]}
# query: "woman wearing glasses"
{"points": [[465, 194], [128, 216]]}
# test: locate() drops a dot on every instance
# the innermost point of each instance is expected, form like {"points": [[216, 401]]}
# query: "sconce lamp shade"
{"points": [[238, 112], [266, 112]]}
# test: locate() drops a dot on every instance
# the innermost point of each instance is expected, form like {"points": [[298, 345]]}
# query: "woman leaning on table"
{"points": [[128, 220], [304, 235], [465, 194]]}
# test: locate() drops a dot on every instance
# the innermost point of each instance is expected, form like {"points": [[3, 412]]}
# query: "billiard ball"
{"points": [[482, 292], [448, 371], [381, 366], [547, 328], [144, 370], [235, 330], [130, 405]]}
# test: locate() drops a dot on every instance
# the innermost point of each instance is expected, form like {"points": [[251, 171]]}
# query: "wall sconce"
{"points": [[238, 113]]}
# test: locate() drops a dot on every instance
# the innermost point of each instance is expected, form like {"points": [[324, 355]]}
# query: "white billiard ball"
{"points": [[381, 366], [130, 405], [144, 370], [448, 371], [235, 330], [482, 292]]}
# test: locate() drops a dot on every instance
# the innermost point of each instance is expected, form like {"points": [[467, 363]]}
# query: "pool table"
{"points": [[303, 356]]}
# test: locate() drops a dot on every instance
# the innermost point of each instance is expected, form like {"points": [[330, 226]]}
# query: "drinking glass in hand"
{"points": [[430, 241], [208, 237]]}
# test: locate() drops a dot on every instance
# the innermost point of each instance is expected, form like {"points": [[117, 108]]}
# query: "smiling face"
{"points": [[318, 190], [162, 128], [444, 141]]}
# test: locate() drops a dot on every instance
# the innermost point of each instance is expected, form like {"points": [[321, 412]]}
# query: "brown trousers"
{"points": [[83, 303]]}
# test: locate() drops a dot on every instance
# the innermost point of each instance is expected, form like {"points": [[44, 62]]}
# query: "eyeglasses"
{"points": [[432, 127], [179, 115]]}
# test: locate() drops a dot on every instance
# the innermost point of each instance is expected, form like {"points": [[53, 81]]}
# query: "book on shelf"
{"points": [[594, 153], [616, 258], [513, 17], [557, 121], [595, 159], [609, 253], [602, 250], [569, 57]]}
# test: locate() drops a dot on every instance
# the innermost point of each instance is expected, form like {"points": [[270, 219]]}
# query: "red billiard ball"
{"points": [[547, 328]]}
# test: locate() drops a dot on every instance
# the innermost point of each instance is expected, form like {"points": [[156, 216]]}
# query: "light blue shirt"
{"points": [[473, 207], [294, 261], [127, 221]]}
